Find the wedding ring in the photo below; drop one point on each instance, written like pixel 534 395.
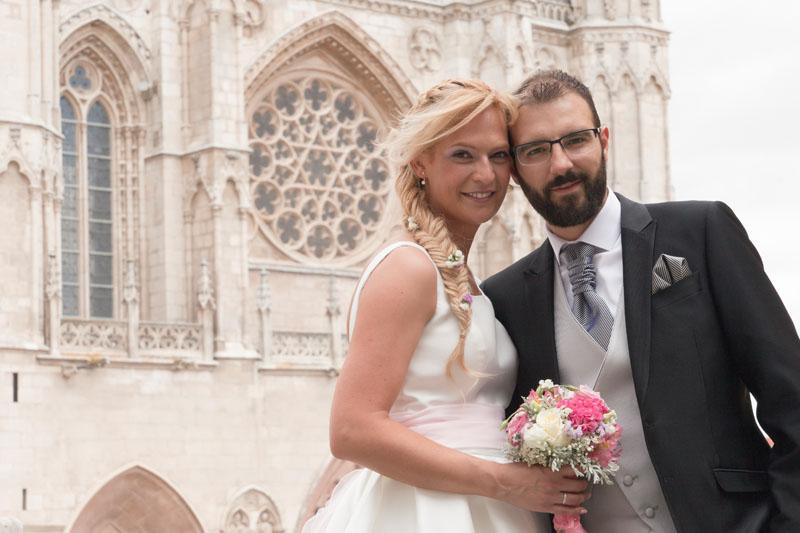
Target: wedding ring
pixel 564 500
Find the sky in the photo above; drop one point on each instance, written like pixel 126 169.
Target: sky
pixel 734 121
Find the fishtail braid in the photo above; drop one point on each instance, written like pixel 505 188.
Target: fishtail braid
pixel 440 111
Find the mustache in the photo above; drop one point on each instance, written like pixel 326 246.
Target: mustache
pixel 568 177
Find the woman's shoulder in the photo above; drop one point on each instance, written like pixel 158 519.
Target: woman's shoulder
pixel 401 277
pixel 403 259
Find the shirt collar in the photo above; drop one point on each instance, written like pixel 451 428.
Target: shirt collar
pixel 603 232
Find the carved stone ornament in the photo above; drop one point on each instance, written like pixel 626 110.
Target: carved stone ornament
pixel 53 287
pixel 205 292
pixel 425 50
pixel 253 512
pixel 130 293
pixel 264 300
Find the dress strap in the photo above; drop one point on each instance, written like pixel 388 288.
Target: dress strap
pixel 380 256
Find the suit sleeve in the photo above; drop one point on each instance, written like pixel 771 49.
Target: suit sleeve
pixel 763 341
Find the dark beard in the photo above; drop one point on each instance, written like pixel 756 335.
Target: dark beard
pixel 574 209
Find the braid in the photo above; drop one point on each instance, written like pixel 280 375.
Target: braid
pixel 431 233
pixel 440 111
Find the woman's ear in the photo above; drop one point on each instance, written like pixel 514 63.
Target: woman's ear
pixel 418 167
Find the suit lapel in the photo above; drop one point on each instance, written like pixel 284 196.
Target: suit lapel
pixel 638 236
pixel 542 362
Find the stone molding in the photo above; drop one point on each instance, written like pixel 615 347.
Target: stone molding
pixel 102 12
pixel 381 76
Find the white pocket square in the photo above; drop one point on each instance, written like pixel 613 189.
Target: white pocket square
pixel 668 271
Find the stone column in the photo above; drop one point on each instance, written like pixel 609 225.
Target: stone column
pixel 131 297
pixel 334 311
pixel 53 293
pixel 205 297
pixel 264 305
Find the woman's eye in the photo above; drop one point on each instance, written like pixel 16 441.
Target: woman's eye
pixel 461 154
pixel 501 155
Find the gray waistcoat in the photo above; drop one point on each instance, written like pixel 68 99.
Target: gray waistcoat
pixel 635 502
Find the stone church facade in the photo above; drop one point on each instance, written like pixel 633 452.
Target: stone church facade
pixel 188 191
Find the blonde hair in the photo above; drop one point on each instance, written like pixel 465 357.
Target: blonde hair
pixel 439 112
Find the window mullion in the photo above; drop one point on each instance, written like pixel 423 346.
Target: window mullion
pixel 83 223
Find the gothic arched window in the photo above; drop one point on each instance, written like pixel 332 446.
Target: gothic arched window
pixel 320 188
pixel 86 211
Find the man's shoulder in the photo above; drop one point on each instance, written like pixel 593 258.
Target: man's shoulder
pixel 680 212
pixel 514 272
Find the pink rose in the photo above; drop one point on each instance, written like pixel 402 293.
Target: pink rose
pixel 516 425
pixel 587 393
pixel 568 523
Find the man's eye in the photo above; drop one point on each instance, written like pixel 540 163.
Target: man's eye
pixel 535 150
pixel 574 141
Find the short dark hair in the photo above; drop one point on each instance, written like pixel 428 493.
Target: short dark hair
pixel 545 85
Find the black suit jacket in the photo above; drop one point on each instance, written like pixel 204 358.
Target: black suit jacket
pixel 697 349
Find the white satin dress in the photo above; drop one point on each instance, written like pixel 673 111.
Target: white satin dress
pixel 465 415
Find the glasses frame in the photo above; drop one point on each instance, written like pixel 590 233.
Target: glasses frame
pixel 515 149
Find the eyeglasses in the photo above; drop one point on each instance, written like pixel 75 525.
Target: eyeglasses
pixel 538 152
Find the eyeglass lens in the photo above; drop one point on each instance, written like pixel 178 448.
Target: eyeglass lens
pixel 539 152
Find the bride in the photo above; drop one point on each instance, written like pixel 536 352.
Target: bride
pixel 429 370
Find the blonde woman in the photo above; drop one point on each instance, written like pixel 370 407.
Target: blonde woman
pixel 429 370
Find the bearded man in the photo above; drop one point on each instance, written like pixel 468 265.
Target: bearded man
pixel 665 310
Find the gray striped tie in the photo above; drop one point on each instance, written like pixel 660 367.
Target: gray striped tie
pixel 588 307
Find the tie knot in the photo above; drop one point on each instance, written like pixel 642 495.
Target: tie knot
pixel 582 274
pixel 577 250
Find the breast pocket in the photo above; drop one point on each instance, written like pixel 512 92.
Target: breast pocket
pixel 683 289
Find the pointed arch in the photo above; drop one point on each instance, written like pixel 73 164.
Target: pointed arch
pixel 252 508
pixel 491 66
pixel 100 12
pixel 655 182
pixel 103 59
pixel 135 499
pixel 626 150
pixel 316 101
pixel 120 71
pixel 345 41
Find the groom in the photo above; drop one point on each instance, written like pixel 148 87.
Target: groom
pixel 665 309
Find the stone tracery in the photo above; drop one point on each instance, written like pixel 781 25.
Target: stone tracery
pixel 319 186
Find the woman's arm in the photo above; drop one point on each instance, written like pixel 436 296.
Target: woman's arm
pixel 397 301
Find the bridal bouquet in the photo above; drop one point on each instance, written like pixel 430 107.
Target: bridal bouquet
pixel 561 425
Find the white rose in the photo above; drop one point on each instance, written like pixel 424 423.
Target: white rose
pixel 535 438
pixel 550 422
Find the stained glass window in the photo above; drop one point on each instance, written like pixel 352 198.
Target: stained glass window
pixel 320 189
pixel 69 213
pixel 86 212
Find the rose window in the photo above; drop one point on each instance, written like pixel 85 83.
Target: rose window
pixel 320 189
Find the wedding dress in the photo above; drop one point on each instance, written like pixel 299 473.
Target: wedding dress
pixel 463 413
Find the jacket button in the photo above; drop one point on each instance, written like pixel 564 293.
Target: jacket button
pixel 649 512
pixel 627 481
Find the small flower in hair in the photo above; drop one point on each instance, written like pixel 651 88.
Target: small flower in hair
pixel 466 302
pixel 410 224
pixel 455 260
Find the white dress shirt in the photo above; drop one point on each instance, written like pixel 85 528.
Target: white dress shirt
pixel 605 233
